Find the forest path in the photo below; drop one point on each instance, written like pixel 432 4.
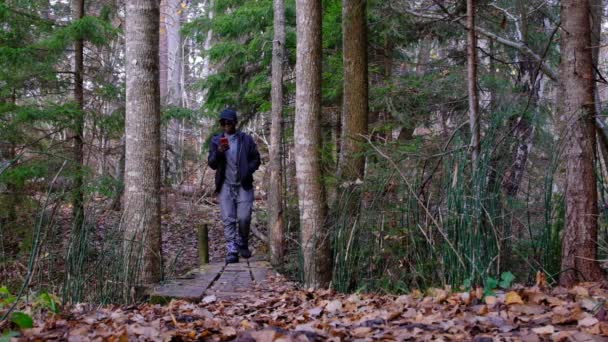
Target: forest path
pixel 215 280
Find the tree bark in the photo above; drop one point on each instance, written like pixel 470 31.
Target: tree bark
pixel 78 194
pixel 275 183
pixel 307 136
pixel 351 164
pixel 142 162
pixel 472 83
pixel 579 244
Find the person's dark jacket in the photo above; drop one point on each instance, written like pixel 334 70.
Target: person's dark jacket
pixel 248 160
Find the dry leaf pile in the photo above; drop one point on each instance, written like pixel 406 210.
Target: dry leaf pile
pixel 278 311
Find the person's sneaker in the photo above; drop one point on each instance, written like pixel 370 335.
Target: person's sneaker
pixel 245 252
pixel 232 258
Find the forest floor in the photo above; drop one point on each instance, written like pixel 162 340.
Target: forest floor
pixel 280 311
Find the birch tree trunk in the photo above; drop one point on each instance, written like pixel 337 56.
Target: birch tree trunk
pixel 142 157
pixel 472 83
pixel 351 164
pixel 579 244
pixel 275 183
pixel 307 137
pixel 170 82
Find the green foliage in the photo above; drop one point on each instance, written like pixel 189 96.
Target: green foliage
pixel 178 113
pixel 23 320
pixel 48 301
pixel 8 335
pixel 506 279
pixel 6 298
pixel 243 51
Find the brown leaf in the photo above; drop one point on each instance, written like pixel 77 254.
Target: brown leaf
pixel 541 279
pixel 579 291
pixel 587 322
pixel 266 335
pixel 228 333
pixel 334 306
pixel 316 312
pixel 490 300
pixel 546 330
pixel 527 309
pixel 361 332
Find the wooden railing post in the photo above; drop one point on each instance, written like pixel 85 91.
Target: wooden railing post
pixel 203 243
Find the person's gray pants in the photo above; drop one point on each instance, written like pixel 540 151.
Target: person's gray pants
pixel 235 206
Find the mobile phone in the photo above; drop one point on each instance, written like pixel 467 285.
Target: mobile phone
pixel 223 141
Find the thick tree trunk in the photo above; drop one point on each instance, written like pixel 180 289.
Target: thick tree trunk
pixel 142 164
pixel 77 194
pixel 355 101
pixel 313 209
pixel 579 245
pixel 472 83
pixel 275 183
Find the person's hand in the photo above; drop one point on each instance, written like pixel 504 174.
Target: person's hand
pixel 223 148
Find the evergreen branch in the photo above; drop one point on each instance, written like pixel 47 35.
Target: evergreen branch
pixel 521 47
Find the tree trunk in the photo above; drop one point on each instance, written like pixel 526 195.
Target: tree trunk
pixel 472 83
pixel 521 127
pixel 351 164
pixel 579 249
pixel 307 137
pixel 142 162
pixel 78 195
pixel 170 80
pixel 275 183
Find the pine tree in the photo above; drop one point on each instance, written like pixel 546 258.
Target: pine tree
pixel 579 245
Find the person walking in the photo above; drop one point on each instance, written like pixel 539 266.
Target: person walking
pixel 235 157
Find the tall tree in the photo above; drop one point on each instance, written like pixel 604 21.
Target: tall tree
pixel 472 82
pixel 579 244
pixel 307 136
pixel 142 157
pixel 275 184
pixel 78 196
pixel 351 163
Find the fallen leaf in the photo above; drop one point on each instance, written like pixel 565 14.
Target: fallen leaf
pixel 264 335
pixel 316 312
pixel 587 322
pixel 528 309
pixel 546 330
pixel 361 332
pixel 209 299
pixel 579 291
pixel 490 300
pixel 513 298
pixel 334 306
pixel 228 332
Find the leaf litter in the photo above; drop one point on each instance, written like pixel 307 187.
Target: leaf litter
pixel 280 311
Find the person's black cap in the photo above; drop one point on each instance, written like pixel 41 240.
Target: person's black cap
pixel 228 114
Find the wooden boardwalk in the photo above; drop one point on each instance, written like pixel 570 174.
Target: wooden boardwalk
pixel 216 279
